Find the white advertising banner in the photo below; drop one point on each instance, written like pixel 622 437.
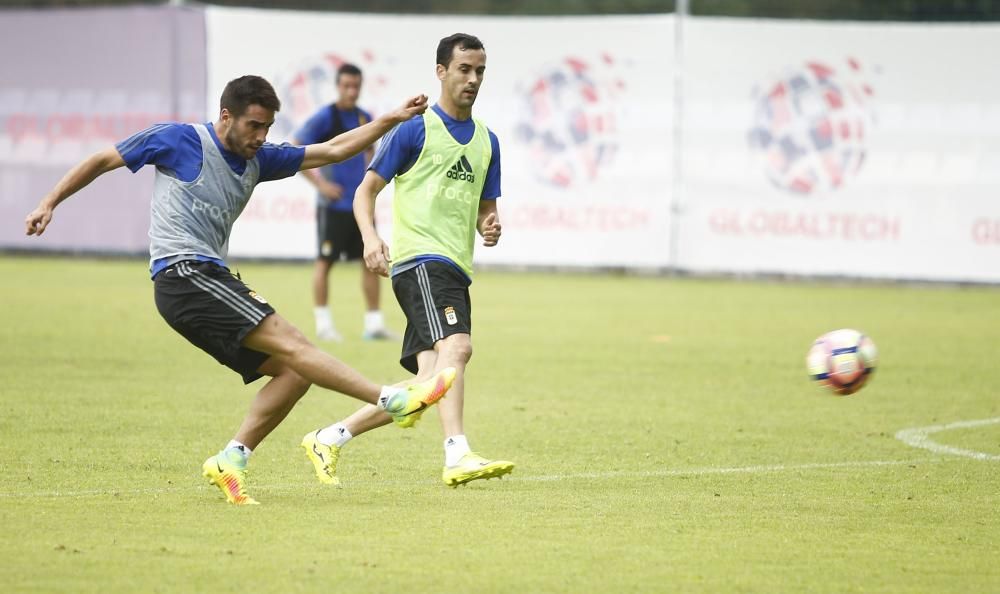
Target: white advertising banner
pixel 855 149
pixel 841 149
pixel 582 108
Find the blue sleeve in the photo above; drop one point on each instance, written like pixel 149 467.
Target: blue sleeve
pixel 317 129
pixel 156 145
pixel 278 161
pixel 491 187
pixel 399 149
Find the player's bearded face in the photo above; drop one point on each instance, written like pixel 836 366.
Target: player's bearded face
pixel 247 133
pixel 465 75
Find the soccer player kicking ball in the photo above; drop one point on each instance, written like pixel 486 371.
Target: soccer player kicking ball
pixel 205 174
pixel 447 170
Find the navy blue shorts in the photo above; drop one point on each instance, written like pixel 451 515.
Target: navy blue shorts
pixel 214 310
pixel 434 296
pixel 338 235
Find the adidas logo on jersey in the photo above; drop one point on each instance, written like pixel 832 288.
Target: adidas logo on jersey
pixel 462 171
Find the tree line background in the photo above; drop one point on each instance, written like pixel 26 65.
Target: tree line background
pixel 868 10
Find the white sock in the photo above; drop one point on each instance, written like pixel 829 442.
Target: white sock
pixel 455 447
pixel 324 319
pixel 334 435
pixel 374 321
pixel 387 393
pixel 239 448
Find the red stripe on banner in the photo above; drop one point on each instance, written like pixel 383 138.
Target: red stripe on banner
pixel 834 99
pixel 833 170
pixel 576 64
pixel 825 129
pixel 821 71
pixel 802 185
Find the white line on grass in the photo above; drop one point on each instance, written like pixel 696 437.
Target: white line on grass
pixel 760 469
pixel 918 437
pixel 756 469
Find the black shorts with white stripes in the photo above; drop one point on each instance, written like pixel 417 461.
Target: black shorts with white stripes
pixel 214 310
pixel 434 297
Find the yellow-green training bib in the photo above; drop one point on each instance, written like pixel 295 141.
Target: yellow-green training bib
pixel 436 201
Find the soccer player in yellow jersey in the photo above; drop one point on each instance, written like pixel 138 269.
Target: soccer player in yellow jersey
pixel 446 165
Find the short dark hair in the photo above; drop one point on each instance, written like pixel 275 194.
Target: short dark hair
pixel 446 47
pixel 240 93
pixel 348 69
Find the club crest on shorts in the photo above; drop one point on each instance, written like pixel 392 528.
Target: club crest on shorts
pixel 449 314
pixel 257 297
pixel 326 248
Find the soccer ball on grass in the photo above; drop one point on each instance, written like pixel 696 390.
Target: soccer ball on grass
pixel 842 361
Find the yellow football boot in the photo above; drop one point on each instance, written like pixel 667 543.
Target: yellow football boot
pixel 406 405
pixel 229 474
pixel 472 467
pixel 323 457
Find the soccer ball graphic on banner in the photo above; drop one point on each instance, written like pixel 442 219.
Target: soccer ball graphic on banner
pixel 810 126
pixel 842 360
pixel 569 119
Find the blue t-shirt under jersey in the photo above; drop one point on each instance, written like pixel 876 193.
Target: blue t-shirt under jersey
pixel 177 148
pixel 347 174
pixel 401 147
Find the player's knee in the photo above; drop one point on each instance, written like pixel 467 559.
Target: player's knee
pixel 458 348
pixel 299 384
pixel 294 386
pixel 293 345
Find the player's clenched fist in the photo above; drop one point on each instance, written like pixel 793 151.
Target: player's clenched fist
pixel 490 230
pixel 36 222
pixel 377 256
pixel 413 106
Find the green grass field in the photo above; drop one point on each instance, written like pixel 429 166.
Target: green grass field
pixel 666 437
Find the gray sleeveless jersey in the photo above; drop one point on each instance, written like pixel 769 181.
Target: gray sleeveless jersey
pixel 197 217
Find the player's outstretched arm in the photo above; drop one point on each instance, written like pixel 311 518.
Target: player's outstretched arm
pixel 350 143
pixel 328 189
pixel 488 222
pixel 75 180
pixel 376 251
